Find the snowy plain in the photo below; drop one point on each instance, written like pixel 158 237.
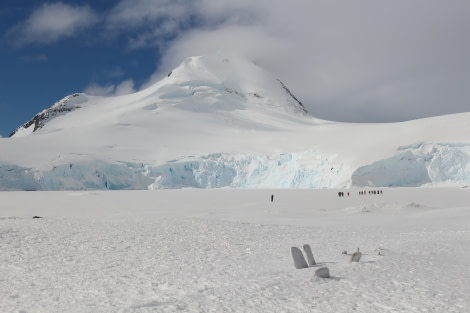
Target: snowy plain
pixel 228 250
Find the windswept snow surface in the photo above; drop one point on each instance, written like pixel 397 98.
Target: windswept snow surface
pixel 228 250
pixel 219 121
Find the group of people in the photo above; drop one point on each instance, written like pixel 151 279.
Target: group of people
pixel 362 193
pixel 370 192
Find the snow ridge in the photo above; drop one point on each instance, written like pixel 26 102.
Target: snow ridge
pixel 293 97
pixel 67 104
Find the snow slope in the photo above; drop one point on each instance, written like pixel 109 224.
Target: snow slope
pixel 219 121
pixel 228 250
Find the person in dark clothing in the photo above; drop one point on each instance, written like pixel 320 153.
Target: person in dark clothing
pixel 272 198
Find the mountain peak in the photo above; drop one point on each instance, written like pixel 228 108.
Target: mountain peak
pixel 215 76
pixel 199 84
pixel 67 104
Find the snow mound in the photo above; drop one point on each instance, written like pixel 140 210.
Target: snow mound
pixel 382 207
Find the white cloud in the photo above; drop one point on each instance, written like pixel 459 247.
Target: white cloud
pixel 52 22
pixel 136 13
pixel 149 23
pixel 155 37
pixel 154 22
pixel 350 61
pixel 99 90
pixel 124 88
pixel 117 72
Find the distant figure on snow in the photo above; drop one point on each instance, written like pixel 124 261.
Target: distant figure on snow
pixel 272 198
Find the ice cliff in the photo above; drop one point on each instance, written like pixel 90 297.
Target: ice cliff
pixel 418 165
pixel 425 164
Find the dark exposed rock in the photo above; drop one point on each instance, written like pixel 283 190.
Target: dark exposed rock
pixel 292 96
pixel 59 108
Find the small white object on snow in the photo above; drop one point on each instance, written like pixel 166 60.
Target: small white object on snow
pixel 298 257
pixel 309 254
pixel 323 272
pixel 355 257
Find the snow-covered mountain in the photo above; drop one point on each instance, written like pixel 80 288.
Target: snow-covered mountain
pixel 218 121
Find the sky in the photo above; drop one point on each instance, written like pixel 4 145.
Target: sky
pixel 349 61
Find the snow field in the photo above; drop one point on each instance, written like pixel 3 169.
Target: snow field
pixel 229 251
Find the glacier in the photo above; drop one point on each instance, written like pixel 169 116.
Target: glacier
pixel 294 170
pixel 418 165
pixel 415 165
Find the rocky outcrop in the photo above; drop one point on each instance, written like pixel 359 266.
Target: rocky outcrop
pixel 67 104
